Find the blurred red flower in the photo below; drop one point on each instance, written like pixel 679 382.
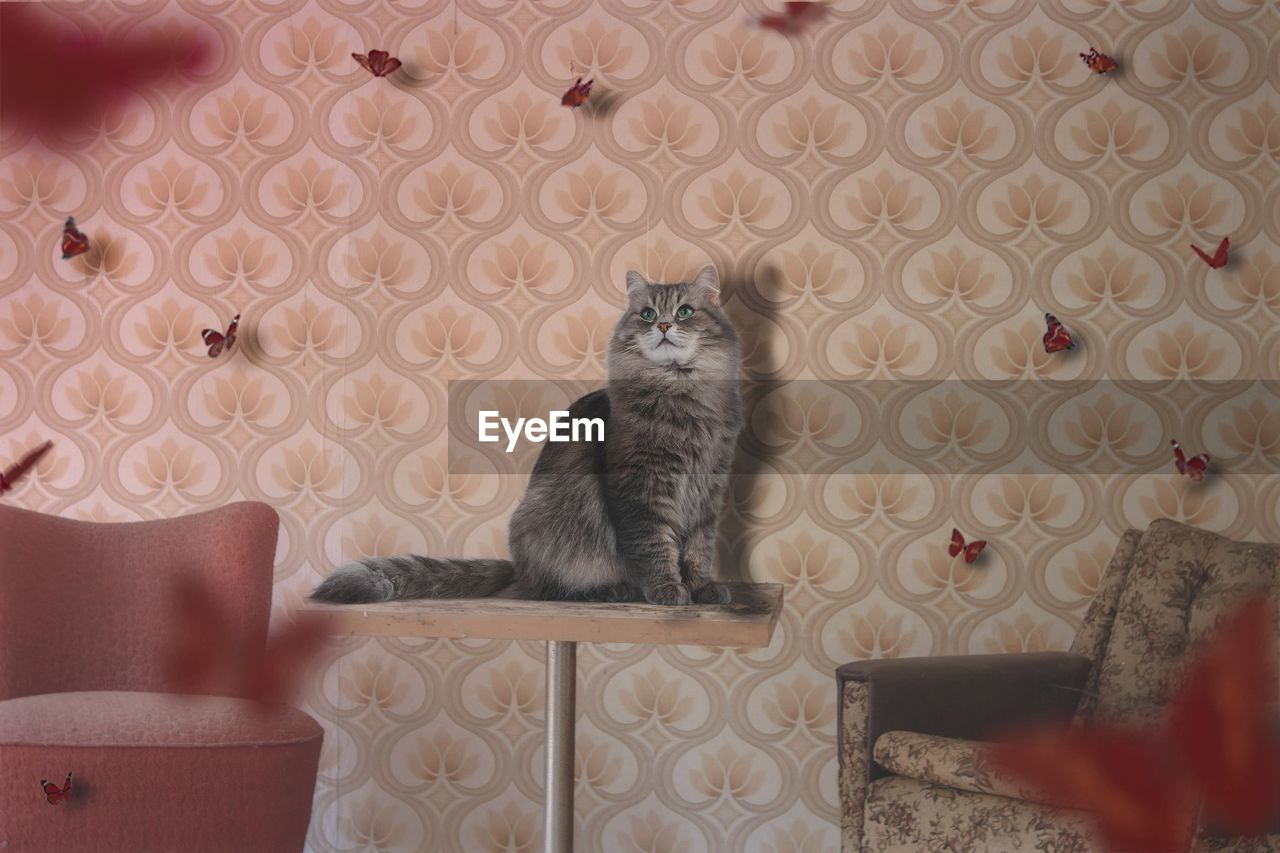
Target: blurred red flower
pixel 1216 750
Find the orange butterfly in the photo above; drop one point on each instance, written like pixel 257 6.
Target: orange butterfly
pixel 1216 746
pixel 1099 63
pixel 577 94
pixel 15 472
pixel 74 241
pixel 53 794
pixel 971 551
pixel 217 341
pixel 1195 467
pixel 1057 338
pixel 1219 259
pixel 379 63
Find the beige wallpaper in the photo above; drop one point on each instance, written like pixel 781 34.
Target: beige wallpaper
pixel 898 194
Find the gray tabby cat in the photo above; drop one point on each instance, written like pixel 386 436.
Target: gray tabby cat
pixel 628 518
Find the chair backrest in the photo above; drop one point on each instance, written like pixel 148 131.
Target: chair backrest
pixel 1161 597
pixel 90 606
pixel 1095 632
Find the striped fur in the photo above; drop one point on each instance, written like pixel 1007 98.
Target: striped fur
pixel 413 576
pixel 633 517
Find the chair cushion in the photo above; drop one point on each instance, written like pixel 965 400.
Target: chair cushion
pixel 953 762
pixel 156 772
pixel 952 768
pixel 1180 582
pixel 1238 844
pixel 906 815
pixel 116 718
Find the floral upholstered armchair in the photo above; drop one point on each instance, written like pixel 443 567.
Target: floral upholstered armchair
pixel 913 774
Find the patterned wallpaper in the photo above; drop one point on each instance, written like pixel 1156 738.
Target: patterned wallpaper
pixel 897 194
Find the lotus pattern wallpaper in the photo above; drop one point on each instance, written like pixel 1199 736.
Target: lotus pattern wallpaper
pixel 894 198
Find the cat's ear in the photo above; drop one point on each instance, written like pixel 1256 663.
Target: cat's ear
pixel 707 283
pixel 636 283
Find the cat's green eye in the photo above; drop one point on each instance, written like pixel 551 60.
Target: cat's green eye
pixel 684 312
pixel 648 315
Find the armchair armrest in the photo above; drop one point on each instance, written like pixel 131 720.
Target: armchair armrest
pixel 965 696
pixel 968 696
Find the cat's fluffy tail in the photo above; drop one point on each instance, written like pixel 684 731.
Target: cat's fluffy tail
pixel 412 576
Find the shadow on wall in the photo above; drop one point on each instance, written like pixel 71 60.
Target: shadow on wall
pixel 752 303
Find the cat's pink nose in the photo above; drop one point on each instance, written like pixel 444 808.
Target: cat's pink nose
pixel 662 327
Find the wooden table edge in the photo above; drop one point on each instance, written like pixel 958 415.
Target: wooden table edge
pixel 546 621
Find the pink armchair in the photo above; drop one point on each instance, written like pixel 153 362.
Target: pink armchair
pixel 85 627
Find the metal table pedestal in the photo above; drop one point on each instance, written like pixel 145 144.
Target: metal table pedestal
pixel 558 811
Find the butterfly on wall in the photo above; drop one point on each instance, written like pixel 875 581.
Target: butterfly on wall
pixel 202 660
pixel 1057 338
pixel 10 476
pixel 53 794
pixel 218 341
pixel 1099 63
pixel 379 63
pixel 1195 467
pixel 74 241
pixel 1215 748
pixel 577 94
pixel 958 546
pixel 795 17
pixel 1219 259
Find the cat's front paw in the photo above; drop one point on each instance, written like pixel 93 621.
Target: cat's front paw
pixel 711 593
pixel 667 593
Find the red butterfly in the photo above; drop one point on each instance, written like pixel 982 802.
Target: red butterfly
pixel 74 242
pixel 1219 259
pixel 1099 63
pixel 15 472
pixel 1194 467
pixel 53 793
pixel 379 63
pixel 1057 338
pixel 1216 745
pixel 217 341
pixel 795 16
pixel 201 661
pixel 577 94
pixel 971 551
